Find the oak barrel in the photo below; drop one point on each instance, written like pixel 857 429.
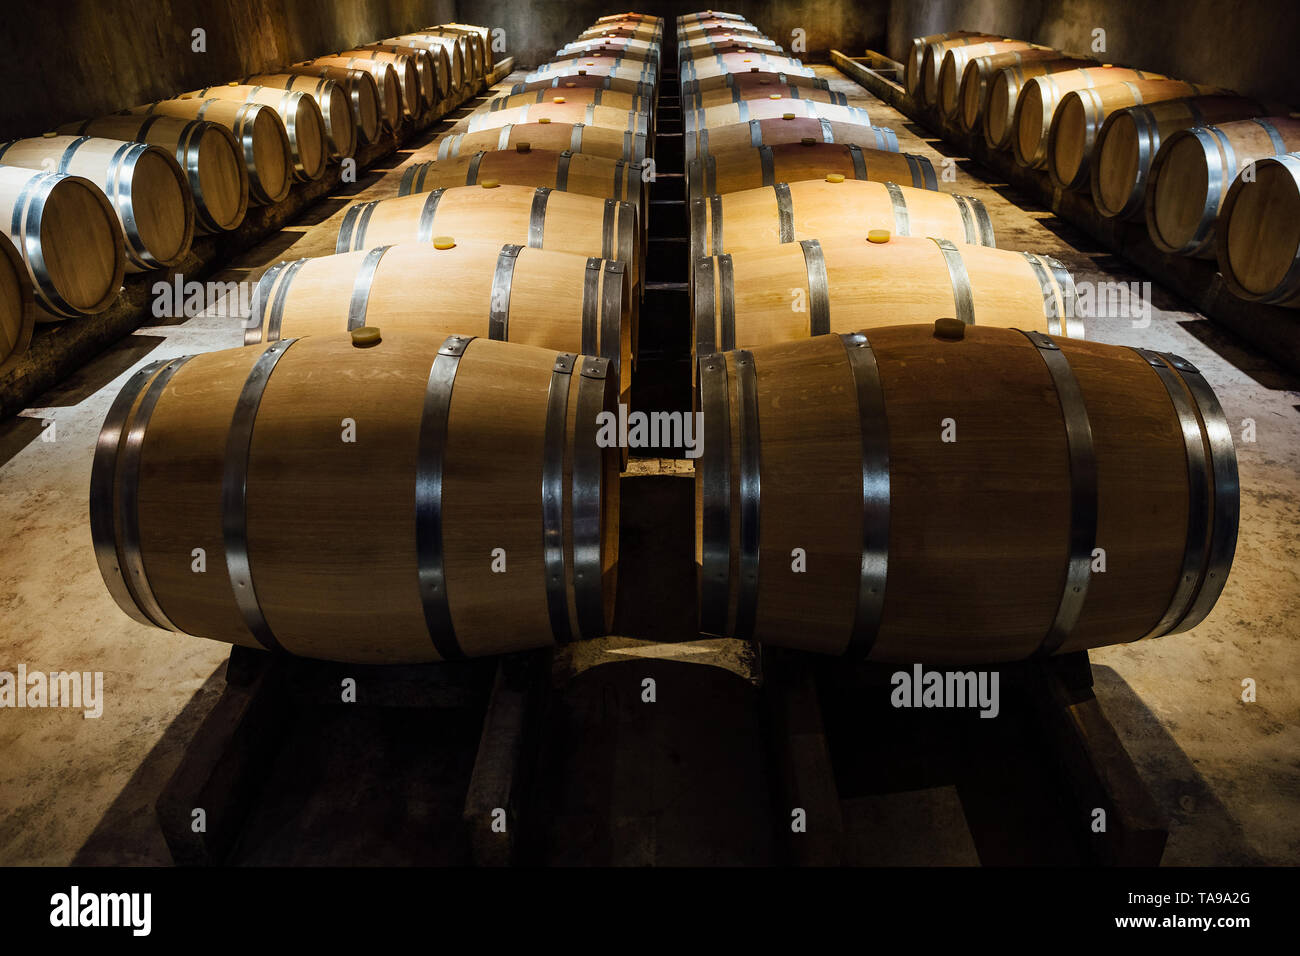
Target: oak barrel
pixel 17 305
pixel 207 153
pixel 831 208
pixel 358 86
pixel 259 132
pixel 335 106
pixel 977 78
pixel 763 89
pixel 1191 173
pixel 953 69
pixel 414 103
pixel 626 145
pixel 795 129
pixel 554 300
pixel 588 114
pixel 69 237
pixel 469 455
pixel 1004 91
pixel 577 81
pixel 145 185
pixel 916 56
pixel 748 168
pixel 449 53
pixel 980 549
pixel 1130 138
pixel 813 287
pixel 432 74
pixel 747 79
pixel 729 114
pixel 303 122
pixel 563 94
pixel 927 87
pixel 471 55
pixel 1259 233
pixel 741 63
pixel 387 83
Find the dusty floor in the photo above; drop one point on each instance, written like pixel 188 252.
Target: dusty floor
pixel 1227 772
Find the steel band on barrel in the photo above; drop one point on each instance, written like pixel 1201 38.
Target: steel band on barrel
pixel 499 304
pixel 431 573
pixel 1083 492
pixel 750 492
pixel 859 161
pixel 361 286
pixel 963 298
pixel 611 315
pixel 767 163
pixel 587 494
pixel 276 317
pixel 784 212
pixel 874 562
pixel 590 296
pixel 727 288
pixel 898 203
pixel 471 174
pixel 234 495
pixel 562 170
pixel 715 466
pixel 1051 311
pixel 553 559
pixel 819 295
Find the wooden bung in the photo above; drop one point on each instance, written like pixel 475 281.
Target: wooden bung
pixel 380 541
pixel 949 494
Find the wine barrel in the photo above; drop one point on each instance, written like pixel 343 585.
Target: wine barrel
pixel 1130 138
pixel 553 300
pixel 1004 92
pixel 637 31
pixel 729 172
pixel 686 19
pixel 631 102
pixel 69 237
pixel 387 81
pixel 953 67
pixel 812 287
pixel 336 107
pixel 433 77
pixel 1259 233
pixel 144 184
pixel 763 89
pixel 728 114
pixel 927 87
pixel 978 76
pixel 588 114
pixel 773 132
pixel 709 45
pixel 370 109
pixel 1079 118
pixel 302 117
pixel 633 55
pixel 831 209
pixel 17 305
pixel 469 52
pixel 576 81
pixel 576 137
pixel 208 153
pixel 746 80
pixel 706 27
pixel 414 102
pixel 449 53
pixel 581 45
pixel 1040 97
pixel 597 66
pixel 540 218
pixel 693 70
pixel 479 37
pixel 259 131
pixel 1191 173
pixel 916 55
pixel 464 446
pixel 970 551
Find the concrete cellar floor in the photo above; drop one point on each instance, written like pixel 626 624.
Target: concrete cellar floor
pixel 1226 772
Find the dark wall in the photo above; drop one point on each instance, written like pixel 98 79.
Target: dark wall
pixel 1246 46
pixel 65 60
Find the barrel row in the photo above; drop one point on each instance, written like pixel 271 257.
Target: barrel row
pixel 1147 147
pixel 481 414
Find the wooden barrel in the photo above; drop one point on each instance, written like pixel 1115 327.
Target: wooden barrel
pixel 741 63
pixel 976 78
pixel 1259 233
pixel 1040 97
pixel 927 87
pixel 738 169
pixel 1130 138
pixel 831 209
pixel 576 137
pixel 414 103
pixel 772 132
pixel 764 89
pixel 1191 173
pixel 612 42
pixel 811 287
pixel 1004 91
pixel 471 52
pixel 598 66
pixel 955 60
pixel 747 80
pixel 378 550
pixel 303 122
pixel 336 106
pixel 710 45
pixel 69 237
pixel 540 218
pixel 369 110
pixel 707 27
pixel 1079 118
pixel 208 154
pixel 970 551
pixel 144 184
pixel 449 52
pixel 387 83
pixel 559 94
pixel 628 29
pixel 481 39
pixel 259 131
pixel 686 19
pixel 588 114
pixel 576 81
pixel 432 77
pixel 916 55
pixel 778 107
pixel 634 55
pixel 17 305
pixel 553 300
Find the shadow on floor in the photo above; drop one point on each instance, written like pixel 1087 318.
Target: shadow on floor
pixel 99 371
